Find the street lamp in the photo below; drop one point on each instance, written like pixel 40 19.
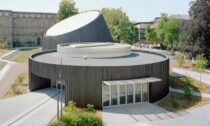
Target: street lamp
pixel 59 93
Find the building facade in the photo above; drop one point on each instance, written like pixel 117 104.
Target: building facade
pixel 182 19
pixel 27 29
pixel 142 26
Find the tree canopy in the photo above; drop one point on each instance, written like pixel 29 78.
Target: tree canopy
pixel 196 34
pixel 151 35
pixel 168 31
pixel 121 28
pixel 172 32
pixel 165 32
pixel 66 9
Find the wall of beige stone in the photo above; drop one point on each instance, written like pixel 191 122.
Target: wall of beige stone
pixel 24 28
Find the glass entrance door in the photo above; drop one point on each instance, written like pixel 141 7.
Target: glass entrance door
pixel 138 93
pixel 130 94
pixel 114 95
pixel 106 95
pixel 125 94
pixel 122 94
pixel 145 93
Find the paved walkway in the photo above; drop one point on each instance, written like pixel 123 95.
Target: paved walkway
pixel 195 93
pixel 195 117
pixel 31 109
pixel 205 78
pixel 134 114
pixel 147 114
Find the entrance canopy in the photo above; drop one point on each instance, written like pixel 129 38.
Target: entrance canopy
pixel 132 81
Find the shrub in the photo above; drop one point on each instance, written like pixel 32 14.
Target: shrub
pixel 20 78
pixel 89 119
pixel 175 103
pixel 90 108
pixel 3 45
pixel 71 106
pixel 74 116
pixel 71 120
pixel 58 123
pixel 188 91
pixel 172 52
pixel 201 63
pixel 180 60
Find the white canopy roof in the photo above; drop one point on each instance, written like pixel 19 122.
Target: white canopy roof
pixel 132 81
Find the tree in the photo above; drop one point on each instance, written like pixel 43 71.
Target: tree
pixel 197 31
pixel 168 31
pixel 160 28
pixel 201 63
pixel 172 32
pixel 121 28
pixel 151 35
pixel 188 42
pixel 66 9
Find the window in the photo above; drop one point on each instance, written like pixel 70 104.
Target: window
pixel 138 93
pixel 130 93
pixel 114 95
pixel 106 95
pixel 122 94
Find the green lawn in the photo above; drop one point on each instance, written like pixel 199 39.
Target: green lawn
pixel 182 82
pixel 4 51
pixel 22 55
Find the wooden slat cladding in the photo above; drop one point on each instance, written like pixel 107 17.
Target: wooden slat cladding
pixel 84 83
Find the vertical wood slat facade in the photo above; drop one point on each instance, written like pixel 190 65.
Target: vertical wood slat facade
pixel 83 84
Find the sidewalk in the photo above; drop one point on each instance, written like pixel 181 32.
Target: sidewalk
pixel 205 78
pixel 194 94
pixel 31 109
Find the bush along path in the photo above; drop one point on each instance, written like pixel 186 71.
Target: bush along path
pixel 73 116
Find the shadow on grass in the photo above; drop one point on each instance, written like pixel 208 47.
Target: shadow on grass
pixel 176 101
pixel 182 82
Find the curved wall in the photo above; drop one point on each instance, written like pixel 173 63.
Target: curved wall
pixel 84 83
pixel 95 31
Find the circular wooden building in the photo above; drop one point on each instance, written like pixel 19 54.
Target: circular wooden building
pixel 102 74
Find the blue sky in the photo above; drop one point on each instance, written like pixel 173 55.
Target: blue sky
pixel 137 10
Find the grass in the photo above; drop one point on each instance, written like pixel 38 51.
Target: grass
pixel 188 65
pixel 18 87
pixel 4 51
pixel 2 64
pixel 182 82
pixel 22 55
pixel 182 102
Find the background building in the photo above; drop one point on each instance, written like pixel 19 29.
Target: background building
pixel 24 28
pixel 142 25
